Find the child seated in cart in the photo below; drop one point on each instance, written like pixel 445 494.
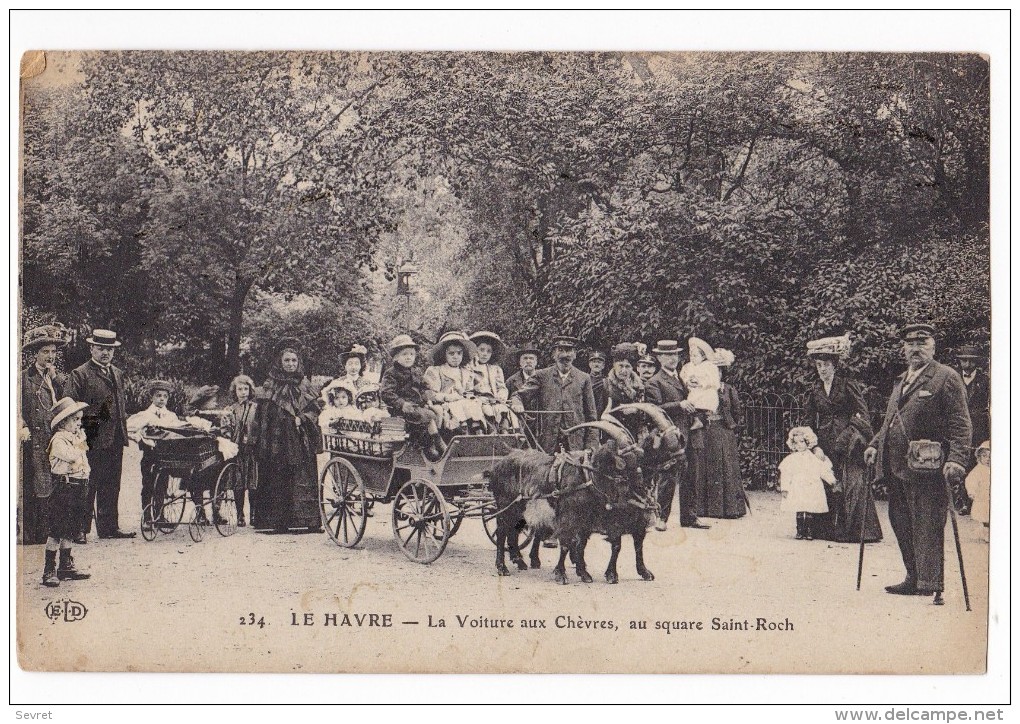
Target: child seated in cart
pixel 369 404
pixel 338 397
pixel 452 382
pixel 404 392
pixel 490 387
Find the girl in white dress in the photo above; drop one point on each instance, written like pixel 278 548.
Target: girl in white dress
pixel 452 383
pixel 802 478
pixel 979 483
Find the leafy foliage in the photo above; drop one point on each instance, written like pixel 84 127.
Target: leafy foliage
pixel 755 200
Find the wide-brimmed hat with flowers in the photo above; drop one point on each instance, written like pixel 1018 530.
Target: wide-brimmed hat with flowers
pixel 829 347
pixel 723 358
pixel 438 352
pixel 498 345
pixel 64 408
pixel 624 351
pixel 44 335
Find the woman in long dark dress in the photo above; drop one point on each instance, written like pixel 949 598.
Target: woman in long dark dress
pixel 286 425
pixel 838 413
pixel 719 490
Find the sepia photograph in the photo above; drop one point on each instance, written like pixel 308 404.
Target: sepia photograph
pixel 505 362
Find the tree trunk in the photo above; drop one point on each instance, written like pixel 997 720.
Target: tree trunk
pixel 242 287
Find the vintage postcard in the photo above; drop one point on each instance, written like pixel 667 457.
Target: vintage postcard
pixel 476 362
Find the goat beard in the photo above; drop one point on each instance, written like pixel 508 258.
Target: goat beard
pixel 540 515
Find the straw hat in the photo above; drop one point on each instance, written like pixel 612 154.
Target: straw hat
pixel 64 408
pixel 401 341
pixel 103 338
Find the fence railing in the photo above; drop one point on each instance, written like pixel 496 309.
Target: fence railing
pixel 767 420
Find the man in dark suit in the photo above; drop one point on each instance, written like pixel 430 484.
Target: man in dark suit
pixel 564 394
pixel 527 363
pixel 928 402
pixel 979 393
pixel 596 370
pixel 666 390
pixel 101 385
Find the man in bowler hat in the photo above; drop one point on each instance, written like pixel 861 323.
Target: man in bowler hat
pixel 101 385
pixel 928 402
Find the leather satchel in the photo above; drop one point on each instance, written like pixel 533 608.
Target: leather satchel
pixel 923 456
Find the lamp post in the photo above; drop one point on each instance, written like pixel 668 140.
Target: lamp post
pixel 405 271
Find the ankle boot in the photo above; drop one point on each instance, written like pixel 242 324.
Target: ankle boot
pixel 66 571
pixel 49 576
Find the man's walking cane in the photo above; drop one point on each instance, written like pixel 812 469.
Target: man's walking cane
pixel 873 472
pixel 956 538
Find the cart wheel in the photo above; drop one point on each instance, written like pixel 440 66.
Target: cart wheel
pixel 168 502
pixel 489 523
pixel 195 528
pixel 421 521
pixel 342 504
pixel 224 502
pixel 148 528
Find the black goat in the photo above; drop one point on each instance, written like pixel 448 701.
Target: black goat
pixel 569 496
pixel 663 453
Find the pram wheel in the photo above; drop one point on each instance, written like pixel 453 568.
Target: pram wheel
pixel 195 528
pixel 224 502
pixel 168 503
pixel 148 527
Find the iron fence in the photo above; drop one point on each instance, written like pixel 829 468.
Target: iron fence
pixel 767 420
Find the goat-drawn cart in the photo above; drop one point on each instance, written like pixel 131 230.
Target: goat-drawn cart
pixel 376 463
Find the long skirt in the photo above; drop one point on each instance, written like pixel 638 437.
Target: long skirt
pixel 288 494
pixel 854 504
pixel 718 488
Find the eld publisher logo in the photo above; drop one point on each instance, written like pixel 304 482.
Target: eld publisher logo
pixel 66 610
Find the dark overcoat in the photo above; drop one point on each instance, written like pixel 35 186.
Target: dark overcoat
pixel 668 391
pixel 979 395
pixel 934 408
pixel 36 403
pixel 104 420
pixel 829 415
pixel 572 398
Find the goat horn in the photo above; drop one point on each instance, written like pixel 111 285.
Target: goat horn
pixel 606 417
pixel 655 412
pixel 617 432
